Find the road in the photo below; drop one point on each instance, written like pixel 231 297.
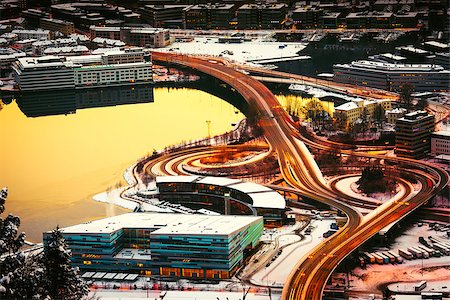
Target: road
pixel 299 169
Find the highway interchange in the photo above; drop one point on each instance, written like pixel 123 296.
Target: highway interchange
pixel 300 171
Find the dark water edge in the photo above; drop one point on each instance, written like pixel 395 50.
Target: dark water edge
pixel 330 51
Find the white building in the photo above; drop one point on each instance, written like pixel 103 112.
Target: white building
pixel 440 143
pixel 38 34
pixel 394 114
pixel 391 76
pixel 54 72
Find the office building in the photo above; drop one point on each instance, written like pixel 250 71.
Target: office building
pixel 134 36
pixel 224 196
pixel 209 16
pixel 440 143
pixel 261 16
pixel 307 17
pixel 164 16
pixel 55 25
pixel 413 134
pixel 391 77
pixel 169 245
pixel 111 68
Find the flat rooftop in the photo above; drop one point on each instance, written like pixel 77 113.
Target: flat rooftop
pixel 394 67
pixel 262 196
pixel 442 133
pixel 166 224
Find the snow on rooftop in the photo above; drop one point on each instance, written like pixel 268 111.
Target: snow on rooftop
pixel 366 64
pixel 176 224
pixel 270 199
pixel 347 106
pixel 437 44
pixel 166 179
pixel 242 52
pixel 261 196
pixel 222 181
pixel 443 133
pixel 250 187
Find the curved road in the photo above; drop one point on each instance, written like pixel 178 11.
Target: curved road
pixel 299 169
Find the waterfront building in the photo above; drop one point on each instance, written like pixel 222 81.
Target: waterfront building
pixel 164 16
pixel 369 20
pixel 223 195
pixel 330 20
pixel 169 245
pixel 391 77
pixel 54 25
pixel 357 108
pixel 209 16
pixel 27 34
pixel 413 54
pixel 134 36
pixel 413 134
pixel 307 17
pixel 110 68
pixel 406 19
pixel 440 143
pixel 261 16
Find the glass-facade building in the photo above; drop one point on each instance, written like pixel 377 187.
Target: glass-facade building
pixel 172 245
pixel 222 195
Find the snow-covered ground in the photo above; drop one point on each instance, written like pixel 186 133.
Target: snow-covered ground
pixel 241 52
pixel 277 272
pixel 320 93
pixel 434 269
pixel 176 295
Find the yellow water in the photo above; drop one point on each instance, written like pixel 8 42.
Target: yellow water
pixel 53 165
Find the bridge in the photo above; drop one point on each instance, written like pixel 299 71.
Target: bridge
pixel 309 276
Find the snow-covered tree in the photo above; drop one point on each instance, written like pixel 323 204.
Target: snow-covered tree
pixel 39 275
pixel 10 242
pixel 63 281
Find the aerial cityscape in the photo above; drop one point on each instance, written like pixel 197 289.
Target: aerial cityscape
pixel 232 150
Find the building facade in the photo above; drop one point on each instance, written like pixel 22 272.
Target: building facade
pixel 169 245
pixel 263 16
pixel 134 36
pixel 440 143
pixel 66 28
pixel 391 77
pixel 110 68
pixel 223 195
pixel 413 134
pixel 209 16
pixel 164 16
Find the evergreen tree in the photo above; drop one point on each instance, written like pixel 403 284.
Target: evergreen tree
pixel 10 242
pixel 63 281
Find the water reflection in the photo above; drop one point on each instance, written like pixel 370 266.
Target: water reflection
pixel 55 163
pixel 68 101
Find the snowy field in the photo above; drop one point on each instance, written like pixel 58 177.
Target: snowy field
pixel 435 269
pixel 241 52
pixel 277 272
pixel 176 295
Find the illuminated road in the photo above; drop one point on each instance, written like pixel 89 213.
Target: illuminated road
pixel 299 169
